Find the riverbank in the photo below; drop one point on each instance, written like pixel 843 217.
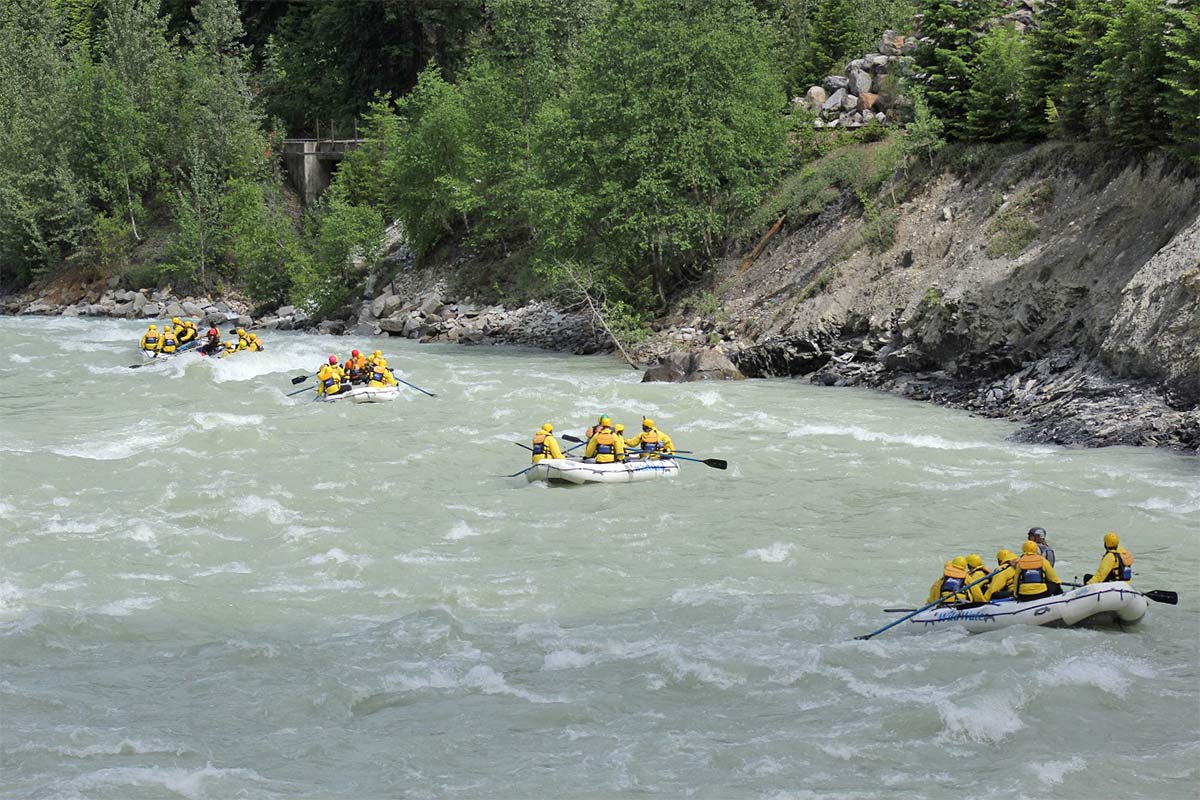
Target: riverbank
pixel 1049 286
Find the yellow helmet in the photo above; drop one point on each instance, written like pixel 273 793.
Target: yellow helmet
pixel 618 428
pixel 381 363
pixel 959 561
pixel 378 353
pixel 241 332
pixel 1004 555
pixel 1111 540
pixel 974 560
pixel 647 422
pixel 176 320
pixel 605 421
pixel 1028 547
pixel 548 428
pixel 153 327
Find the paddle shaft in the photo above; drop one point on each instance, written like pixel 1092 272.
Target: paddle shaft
pixel 1157 595
pixel 182 349
pixel 937 602
pixel 305 389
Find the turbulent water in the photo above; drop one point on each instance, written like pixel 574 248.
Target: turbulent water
pixel 209 589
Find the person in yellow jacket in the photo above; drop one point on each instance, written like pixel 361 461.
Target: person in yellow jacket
pixel 243 342
pixel 975 571
pixel 185 330
pixel 1000 587
pixel 601 421
pixel 356 368
pixel 380 375
pixel 1115 565
pixel 329 377
pixel 651 440
pixel 950 583
pixel 545 445
pixel 605 446
pixel 150 339
pixel 373 359
pixel 231 347
pixel 168 342
pixel 1035 577
pixel 253 343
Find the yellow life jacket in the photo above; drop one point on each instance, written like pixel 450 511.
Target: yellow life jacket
pixel 150 341
pixel 1031 574
pixel 651 441
pixel 606 448
pixel 1123 569
pixel 187 333
pixel 169 342
pixel 953 579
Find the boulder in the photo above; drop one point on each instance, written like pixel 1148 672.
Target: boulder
pixel 431 304
pixel 391 304
pixel 332 327
pixel 139 300
pixel 835 82
pixel 242 321
pixel 860 81
pixel 867 101
pixel 877 62
pixel 891 43
pixel 190 309
pixel 834 101
pixel 815 97
pixel 376 307
pixel 286 311
pixel 699 365
pixel 363 329
pixel 711 364
pixel 149 310
pixel 849 102
pixel 395 323
pixel 175 310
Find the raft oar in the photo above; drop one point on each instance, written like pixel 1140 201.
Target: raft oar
pixel 305 389
pixel 410 385
pixel 937 602
pixel 715 463
pixel 1157 595
pixel 301 379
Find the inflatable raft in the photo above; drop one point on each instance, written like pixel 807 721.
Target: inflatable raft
pixel 1095 604
pixel 364 394
pixel 570 471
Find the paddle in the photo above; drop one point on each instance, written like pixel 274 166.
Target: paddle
pixel 1157 595
pixel 715 463
pixel 527 447
pixel 301 379
pixel 182 349
pixel 305 389
pixel 410 385
pixel 937 602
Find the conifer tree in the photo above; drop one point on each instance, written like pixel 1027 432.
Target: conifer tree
pixel 998 105
pixel 1181 78
pixel 1128 78
pixel 954 28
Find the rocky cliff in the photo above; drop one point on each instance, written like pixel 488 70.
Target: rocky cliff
pixel 1060 288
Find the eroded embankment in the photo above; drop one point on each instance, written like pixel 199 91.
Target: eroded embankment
pixel 1056 289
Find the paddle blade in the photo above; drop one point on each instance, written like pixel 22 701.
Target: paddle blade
pixel 1163 596
pixel 898 610
pixel 716 463
pixel 136 366
pixel 568 437
pixel 299 379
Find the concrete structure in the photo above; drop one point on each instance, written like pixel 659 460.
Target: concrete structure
pixel 311 163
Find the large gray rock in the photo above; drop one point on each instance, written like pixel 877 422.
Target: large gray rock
pixel 815 97
pixel 376 307
pixel 149 309
pixel 332 327
pixel 139 300
pixel 191 309
pixel 363 329
pixel 394 324
pixel 849 102
pixel 391 304
pixel 834 101
pixel 175 310
pixel 286 311
pixel 835 82
pixel 860 82
pixel 699 365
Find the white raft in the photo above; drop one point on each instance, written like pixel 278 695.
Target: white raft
pixel 152 355
pixel 1095 604
pixel 570 471
pixel 364 394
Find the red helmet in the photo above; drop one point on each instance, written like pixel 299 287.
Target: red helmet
pixel 354 353
pixel 213 332
pixel 333 359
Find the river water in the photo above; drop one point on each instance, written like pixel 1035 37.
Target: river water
pixel 211 590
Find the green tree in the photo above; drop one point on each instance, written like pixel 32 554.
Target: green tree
pixel 1128 78
pixel 998 103
pixel 1181 77
pixel 673 124
pixel 954 28
pixel 345 240
pixel 925 130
